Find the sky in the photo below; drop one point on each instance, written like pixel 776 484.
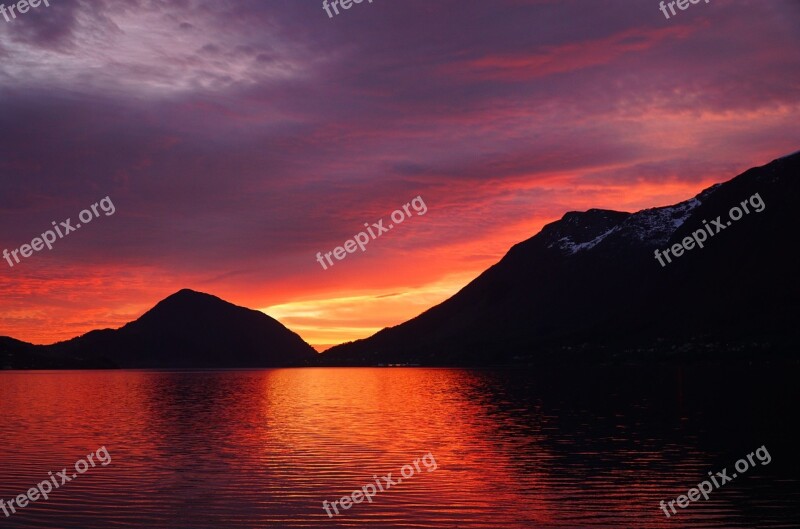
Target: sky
pixel 236 139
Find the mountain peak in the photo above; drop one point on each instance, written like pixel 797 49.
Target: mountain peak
pixel 191 301
pixel 187 293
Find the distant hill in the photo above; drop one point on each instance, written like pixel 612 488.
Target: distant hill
pixel 186 330
pixel 589 288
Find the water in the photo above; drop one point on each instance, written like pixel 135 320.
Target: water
pixel 236 449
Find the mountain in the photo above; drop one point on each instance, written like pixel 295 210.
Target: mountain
pixel 186 330
pixel 589 287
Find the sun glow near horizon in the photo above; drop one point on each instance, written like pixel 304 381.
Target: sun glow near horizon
pixel 324 323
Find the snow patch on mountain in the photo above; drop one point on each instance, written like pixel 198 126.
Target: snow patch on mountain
pixel 566 244
pixel 657 225
pixel 652 226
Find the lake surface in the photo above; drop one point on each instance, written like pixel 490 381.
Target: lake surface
pixel 236 449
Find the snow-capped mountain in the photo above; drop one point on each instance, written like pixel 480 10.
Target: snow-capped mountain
pixel 588 287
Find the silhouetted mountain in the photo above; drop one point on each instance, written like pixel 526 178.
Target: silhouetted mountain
pixel 589 287
pixel 15 354
pixel 186 330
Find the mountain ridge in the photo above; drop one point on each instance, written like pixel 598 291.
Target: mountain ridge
pixel 587 288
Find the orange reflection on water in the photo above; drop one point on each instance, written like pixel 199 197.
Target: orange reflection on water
pixel 240 449
pixel 350 424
